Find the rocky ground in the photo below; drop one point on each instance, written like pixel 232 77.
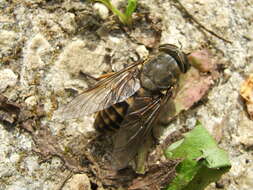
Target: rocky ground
pixel 45 45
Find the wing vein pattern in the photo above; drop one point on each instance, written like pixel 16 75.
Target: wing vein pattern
pixel 111 90
pixel 134 129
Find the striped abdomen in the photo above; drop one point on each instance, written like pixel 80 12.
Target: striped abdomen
pixel 111 118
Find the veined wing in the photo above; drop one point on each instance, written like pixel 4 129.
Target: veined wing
pixel 111 90
pixel 136 126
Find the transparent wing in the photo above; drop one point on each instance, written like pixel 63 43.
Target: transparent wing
pixel 136 126
pixel 111 90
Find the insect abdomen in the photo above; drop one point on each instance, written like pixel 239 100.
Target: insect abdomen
pixel 111 118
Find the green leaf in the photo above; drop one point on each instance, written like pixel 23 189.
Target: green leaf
pixel 204 177
pixel 125 18
pixel 203 162
pixel 216 158
pixel 131 6
pixel 115 11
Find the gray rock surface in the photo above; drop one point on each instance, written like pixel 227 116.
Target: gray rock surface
pixel 78 181
pixel 7 79
pixel 45 44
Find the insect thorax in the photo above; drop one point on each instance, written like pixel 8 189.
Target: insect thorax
pixel 159 73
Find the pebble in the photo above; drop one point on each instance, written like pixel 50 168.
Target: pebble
pixel 101 10
pixel 7 79
pixel 142 51
pixel 78 181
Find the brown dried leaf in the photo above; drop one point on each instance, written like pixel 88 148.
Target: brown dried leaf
pixel 121 178
pixel 158 176
pixel 48 145
pixel 9 111
pixel 247 93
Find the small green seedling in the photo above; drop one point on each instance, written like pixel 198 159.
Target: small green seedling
pixel 126 17
pixel 203 161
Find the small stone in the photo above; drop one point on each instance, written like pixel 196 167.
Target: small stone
pixel 38 44
pixel 14 157
pixel 31 163
pixel 6 170
pixel 142 51
pixel 68 22
pixel 56 162
pixel 101 10
pixel 7 79
pixel 227 73
pixel 32 101
pixel 7 41
pixel 77 57
pixel 78 181
pixel 246 178
pixel 33 54
pixel 245 128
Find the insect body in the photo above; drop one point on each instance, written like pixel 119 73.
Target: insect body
pixel 112 117
pixel 131 100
